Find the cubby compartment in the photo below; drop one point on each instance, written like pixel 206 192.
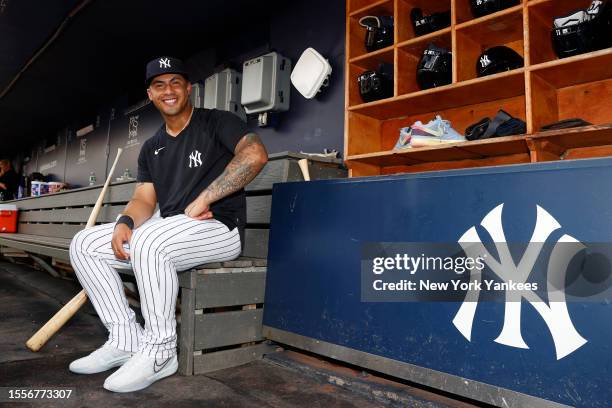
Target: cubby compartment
pixel 365 134
pixel 577 87
pixel 369 62
pixel 357 33
pixel 404 7
pixel 409 55
pixel 463 12
pixel 353 85
pixel 474 37
pixel 541 14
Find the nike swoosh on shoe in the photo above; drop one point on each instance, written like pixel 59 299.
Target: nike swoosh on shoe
pixel 158 367
pixel 427 132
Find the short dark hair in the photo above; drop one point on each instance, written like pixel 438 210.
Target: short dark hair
pixel 150 81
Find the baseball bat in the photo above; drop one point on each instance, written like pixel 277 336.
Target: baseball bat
pixel 58 320
pixel 303 163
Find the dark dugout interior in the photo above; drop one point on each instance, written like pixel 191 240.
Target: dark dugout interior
pixel 62 63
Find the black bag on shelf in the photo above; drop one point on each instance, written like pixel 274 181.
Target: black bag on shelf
pixel 566 124
pixel 498 59
pixel 477 130
pixel 503 124
pixel 513 126
pixel 428 24
pixel 379 31
pixel 483 7
pixel 375 85
pixel 435 67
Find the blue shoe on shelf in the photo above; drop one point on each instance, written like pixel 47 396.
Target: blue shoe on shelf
pixel 435 132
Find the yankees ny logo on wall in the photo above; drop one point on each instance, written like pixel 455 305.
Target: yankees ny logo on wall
pixel 555 314
pixel 132 131
pixel 195 159
pixel 82 151
pixel 133 127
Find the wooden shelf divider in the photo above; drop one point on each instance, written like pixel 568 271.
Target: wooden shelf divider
pixel 372 8
pixel 424 38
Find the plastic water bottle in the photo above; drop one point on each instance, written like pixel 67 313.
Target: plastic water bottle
pixel 92 178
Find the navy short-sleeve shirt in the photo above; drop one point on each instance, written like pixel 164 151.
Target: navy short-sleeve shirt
pixel 181 167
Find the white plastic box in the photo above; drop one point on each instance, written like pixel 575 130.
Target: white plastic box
pixel 311 72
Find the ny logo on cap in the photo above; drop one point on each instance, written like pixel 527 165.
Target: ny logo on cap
pixel 484 61
pixel 164 63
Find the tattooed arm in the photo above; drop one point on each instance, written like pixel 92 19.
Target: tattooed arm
pixel 250 157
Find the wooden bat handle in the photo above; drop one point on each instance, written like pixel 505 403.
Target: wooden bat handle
pixel 43 335
pixel 94 213
pixel 57 321
pixel 303 163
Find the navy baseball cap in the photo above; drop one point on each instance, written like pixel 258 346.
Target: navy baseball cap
pixel 165 65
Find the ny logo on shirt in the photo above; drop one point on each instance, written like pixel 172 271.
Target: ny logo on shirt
pixel 195 159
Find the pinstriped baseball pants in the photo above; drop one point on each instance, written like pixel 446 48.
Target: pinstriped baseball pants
pixel 158 249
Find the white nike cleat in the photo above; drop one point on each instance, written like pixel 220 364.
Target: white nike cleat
pixel 102 359
pixel 139 372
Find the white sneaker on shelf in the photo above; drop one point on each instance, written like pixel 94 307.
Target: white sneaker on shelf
pixel 102 359
pixel 139 372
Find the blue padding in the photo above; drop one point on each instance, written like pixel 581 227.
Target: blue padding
pixel 313 282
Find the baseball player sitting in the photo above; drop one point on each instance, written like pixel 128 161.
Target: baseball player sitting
pixel 195 167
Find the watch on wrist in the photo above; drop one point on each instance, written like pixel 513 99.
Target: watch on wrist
pixel 127 220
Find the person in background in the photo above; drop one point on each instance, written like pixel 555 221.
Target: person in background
pixel 9 181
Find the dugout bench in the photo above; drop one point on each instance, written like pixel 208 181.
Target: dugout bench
pixel 221 302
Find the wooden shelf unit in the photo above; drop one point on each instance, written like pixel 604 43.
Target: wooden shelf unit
pixel 545 90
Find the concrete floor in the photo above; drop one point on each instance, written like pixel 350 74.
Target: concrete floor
pixel 29 297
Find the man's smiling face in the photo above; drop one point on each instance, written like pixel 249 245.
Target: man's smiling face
pixel 169 93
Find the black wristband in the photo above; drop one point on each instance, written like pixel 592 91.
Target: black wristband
pixel 127 220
